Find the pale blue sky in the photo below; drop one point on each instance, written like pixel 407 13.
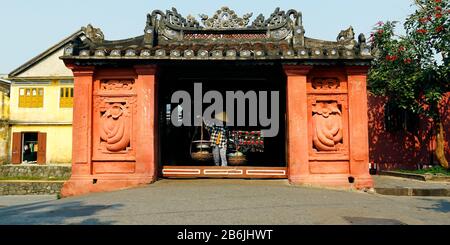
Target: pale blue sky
pixel 29 27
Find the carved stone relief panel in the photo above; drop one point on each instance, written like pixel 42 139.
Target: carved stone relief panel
pixel 327 126
pixel 114 110
pixel 114 127
pixel 115 87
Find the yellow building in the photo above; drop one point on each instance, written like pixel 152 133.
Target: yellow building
pixel 4 120
pixel 41 108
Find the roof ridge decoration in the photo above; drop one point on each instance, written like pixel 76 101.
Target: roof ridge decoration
pixel 223 36
pixel 94 34
pixel 172 26
pixel 225 18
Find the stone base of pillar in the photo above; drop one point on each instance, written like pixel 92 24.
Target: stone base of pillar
pixel 363 182
pixel 81 185
pixel 340 181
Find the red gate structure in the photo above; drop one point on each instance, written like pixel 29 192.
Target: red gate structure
pixel 116 113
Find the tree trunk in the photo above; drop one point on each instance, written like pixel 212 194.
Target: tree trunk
pixel 440 145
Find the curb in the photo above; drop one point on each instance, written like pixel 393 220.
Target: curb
pixel 436 192
pixel 405 175
pixel 32 181
pixel 421 177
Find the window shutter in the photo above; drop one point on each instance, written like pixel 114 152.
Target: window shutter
pixel 16 156
pixel 42 148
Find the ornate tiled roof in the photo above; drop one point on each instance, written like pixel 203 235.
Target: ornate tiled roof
pixel 223 36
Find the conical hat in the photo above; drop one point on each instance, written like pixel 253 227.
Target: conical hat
pixel 222 116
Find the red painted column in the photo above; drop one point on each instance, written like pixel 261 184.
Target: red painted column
pixel 358 124
pixel 82 121
pixel 147 151
pixel 81 131
pixel 297 122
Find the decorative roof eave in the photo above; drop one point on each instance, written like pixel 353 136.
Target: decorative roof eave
pixel 244 51
pixel 169 36
pixel 217 52
pixel 219 58
pixel 206 63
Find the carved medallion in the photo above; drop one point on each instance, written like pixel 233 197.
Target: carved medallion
pixel 114 127
pixel 327 126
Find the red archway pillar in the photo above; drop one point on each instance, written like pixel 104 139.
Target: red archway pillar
pixel 147 133
pixel 82 118
pixel 297 123
pixel 100 165
pixel 359 123
pixel 311 94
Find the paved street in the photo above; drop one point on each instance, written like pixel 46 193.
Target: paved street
pixel 14 200
pixel 226 202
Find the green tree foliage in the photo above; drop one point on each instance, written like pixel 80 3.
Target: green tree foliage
pixel 413 70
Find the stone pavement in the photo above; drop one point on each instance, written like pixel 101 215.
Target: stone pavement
pixel 8 201
pixel 207 201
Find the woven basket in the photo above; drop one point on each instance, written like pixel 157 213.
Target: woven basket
pixel 237 160
pixel 202 156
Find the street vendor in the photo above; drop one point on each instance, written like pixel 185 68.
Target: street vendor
pixel 219 138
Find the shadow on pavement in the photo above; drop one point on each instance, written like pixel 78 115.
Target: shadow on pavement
pixel 372 221
pixel 50 213
pixel 438 205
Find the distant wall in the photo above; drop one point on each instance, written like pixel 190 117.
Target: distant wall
pixel 51 111
pixel 48 67
pixel 4 126
pixel 401 149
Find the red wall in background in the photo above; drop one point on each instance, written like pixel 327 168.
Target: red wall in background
pixel 403 149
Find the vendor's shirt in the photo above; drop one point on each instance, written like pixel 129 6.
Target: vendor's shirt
pixel 218 134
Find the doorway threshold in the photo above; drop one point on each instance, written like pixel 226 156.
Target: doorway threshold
pixel 232 172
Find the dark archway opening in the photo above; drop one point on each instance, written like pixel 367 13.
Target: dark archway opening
pixel 176 142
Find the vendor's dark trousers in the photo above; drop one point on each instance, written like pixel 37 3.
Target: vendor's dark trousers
pixel 220 156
